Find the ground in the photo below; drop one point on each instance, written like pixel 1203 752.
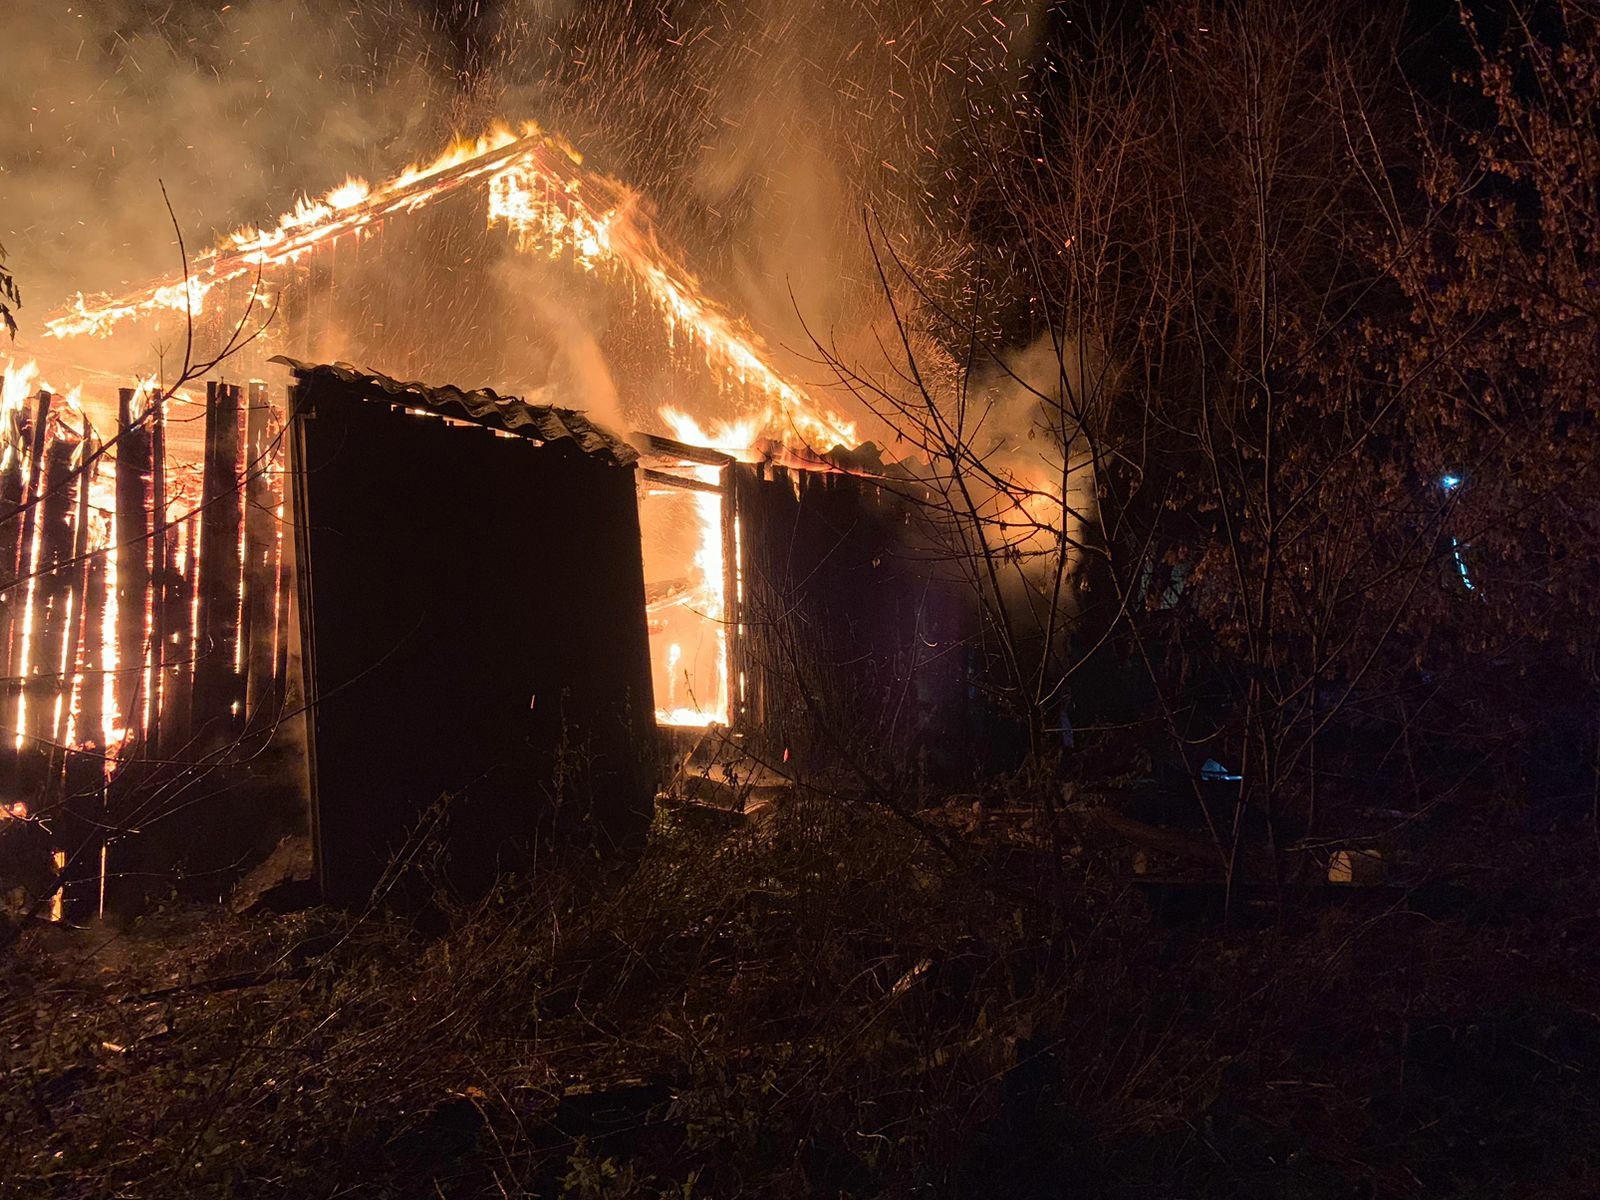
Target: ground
pixel 818 1004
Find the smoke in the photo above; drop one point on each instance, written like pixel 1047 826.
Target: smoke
pixel 579 373
pixel 1039 405
pixel 765 133
pixel 235 110
pixel 857 109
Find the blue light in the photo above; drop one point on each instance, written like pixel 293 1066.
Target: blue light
pixel 1461 565
pixel 1449 482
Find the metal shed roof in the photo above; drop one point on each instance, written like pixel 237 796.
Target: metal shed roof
pixel 484 406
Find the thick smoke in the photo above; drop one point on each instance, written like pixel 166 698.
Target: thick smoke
pixel 765 134
pixel 237 109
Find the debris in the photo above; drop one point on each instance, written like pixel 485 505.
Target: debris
pixel 283 882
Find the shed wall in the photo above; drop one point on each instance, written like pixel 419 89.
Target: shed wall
pixel 852 629
pixel 473 623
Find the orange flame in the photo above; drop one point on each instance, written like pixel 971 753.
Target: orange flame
pixel 600 223
pixel 349 208
pixel 537 187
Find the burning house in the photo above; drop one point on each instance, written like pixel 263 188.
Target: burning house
pixel 493 595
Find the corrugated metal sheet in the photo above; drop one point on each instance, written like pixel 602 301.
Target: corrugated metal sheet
pixel 538 422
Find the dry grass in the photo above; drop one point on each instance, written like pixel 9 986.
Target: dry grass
pixel 820 1006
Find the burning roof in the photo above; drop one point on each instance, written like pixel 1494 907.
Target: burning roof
pixel 540 423
pixel 535 187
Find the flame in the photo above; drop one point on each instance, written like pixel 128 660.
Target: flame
pixel 18 383
pixel 600 223
pixel 537 187
pixel 731 437
pixel 66 419
pixel 349 208
pixel 349 194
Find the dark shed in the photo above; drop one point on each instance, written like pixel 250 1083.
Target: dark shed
pixel 473 625
pixel 851 624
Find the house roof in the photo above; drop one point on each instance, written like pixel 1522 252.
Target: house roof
pixel 537 422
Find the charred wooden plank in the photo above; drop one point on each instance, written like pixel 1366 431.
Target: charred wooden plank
pixel 173 612
pixel 13 479
pixel 52 593
pixel 85 658
pixel 135 544
pixel 218 682
pixel 679 481
pixel 672 450
pixel 261 559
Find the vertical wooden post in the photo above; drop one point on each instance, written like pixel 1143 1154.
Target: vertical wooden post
pixel 732 608
pixel 134 546
pixel 32 490
pixel 261 561
pixel 218 681
pixel 13 592
pixel 13 462
pixel 78 816
pixel 53 593
pixel 172 604
pixel 85 672
pixel 285 619
pixel 30 518
pixel 92 714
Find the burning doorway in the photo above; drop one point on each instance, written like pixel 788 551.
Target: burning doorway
pixel 801 602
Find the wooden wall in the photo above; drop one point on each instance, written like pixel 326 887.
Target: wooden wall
pixel 473 623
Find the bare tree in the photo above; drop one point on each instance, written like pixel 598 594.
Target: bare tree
pixel 1211 472
pixel 10 296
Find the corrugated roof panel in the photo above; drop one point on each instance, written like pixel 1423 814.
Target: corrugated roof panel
pixel 537 422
